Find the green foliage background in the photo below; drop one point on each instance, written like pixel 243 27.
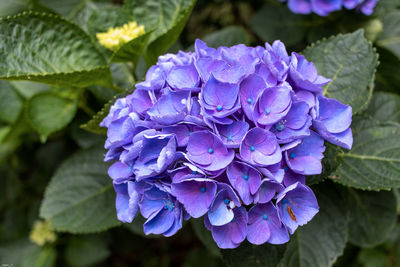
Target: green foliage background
pixel 57 83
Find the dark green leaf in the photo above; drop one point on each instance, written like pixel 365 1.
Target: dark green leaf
pixel 26 254
pixel 10 103
pixel 256 256
pixel 48 112
pixel 321 241
pixel 48 49
pixel 372 217
pixel 201 258
pixel 388 73
pixel 86 250
pixel 228 36
pixel 80 197
pixel 278 23
pixel 335 59
pixel 390 36
pixel 166 17
pixel 205 236
pixel 374 161
pixel 372 257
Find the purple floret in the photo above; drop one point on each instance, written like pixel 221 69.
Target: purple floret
pixel 325 7
pixel 229 134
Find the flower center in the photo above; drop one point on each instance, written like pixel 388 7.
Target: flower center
pixel 252 148
pixel 168 204
pixel 249 100
pixel 219 107
pixel 280 126
pixel 226 201
pixel 210 150
pixel 194 172
pixel 267 111
pixel 246 177
pixel 292 155
pixel 284 201
pixel 265 217
pixel 229 138
pixel 203 189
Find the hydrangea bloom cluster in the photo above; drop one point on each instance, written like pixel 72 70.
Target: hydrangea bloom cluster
pixel 325 7
pixel 228 134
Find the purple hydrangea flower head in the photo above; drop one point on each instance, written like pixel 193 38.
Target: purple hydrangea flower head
pixel 305 158
pixel 196 195
pixel 227 133
pixel 231 234
pixel 264 225
pixel 246 180
pixel 208 151
pixel 296 205
pixel 333 122
pixel 221 211
pixel 259 147
pixel 273 104
pixel 325 7
pixel 163 213
pixel 304 76
pixel 127 201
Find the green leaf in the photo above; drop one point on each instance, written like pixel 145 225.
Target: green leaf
pixel 132 50
pixel 372 217
pixel 201 258
pixel 28 89
pixel 388 73
pixel 166 17
pixel 321 241
pixel 46 48
pixel 228 36
pixel 255 256
pixel 335 59
pixel 48 112
pixel 80 197
pixel 10 103
pixel 273 22
pixel 94 124
pixel 390 36
pixel 374 161
pixel 372 257
pixel 26 254
pixel 205 236
pixel 330 163
pixel 105 16
pixel 86 250
pixel 62 7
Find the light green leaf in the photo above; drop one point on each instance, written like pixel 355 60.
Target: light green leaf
pixel 336 58
pixel 86 250
pixel 47 48
pixel 10 103
pixel 228 36
pixel 321 241
pixel 374 161
pixel 132 50
pixel 166 17
pixel 372 217
pixel 255 256
pixel 277 22
pixel 80 197
pixel 26 254
pixel 28 89
pixel 390 36
pixel 48 112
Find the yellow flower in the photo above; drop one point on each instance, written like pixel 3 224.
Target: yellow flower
pixel 42 233
pixel 114 38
